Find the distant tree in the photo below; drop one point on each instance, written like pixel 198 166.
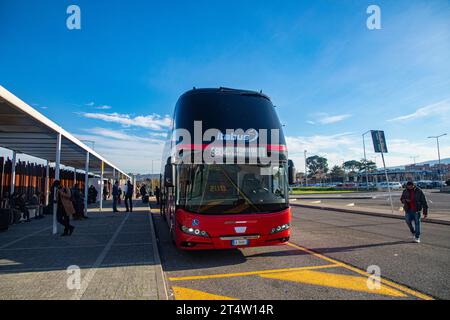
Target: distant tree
pixel 371 166
pixel 352 165
pixel 317 166
pixel 337 172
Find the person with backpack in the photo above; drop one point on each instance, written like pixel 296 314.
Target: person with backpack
pixel 414 201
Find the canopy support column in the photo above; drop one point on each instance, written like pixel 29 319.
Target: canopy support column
pixel 13 173
pixel 47 181
pixel 101 188
pixel 86 182
pixel 57 167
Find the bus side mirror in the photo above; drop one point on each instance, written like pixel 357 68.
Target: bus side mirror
pixel 291 172
pixel 168 175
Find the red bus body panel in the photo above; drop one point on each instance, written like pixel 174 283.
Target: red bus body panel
pixel 224 226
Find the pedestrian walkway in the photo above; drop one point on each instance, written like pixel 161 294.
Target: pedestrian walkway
pixel 115 253
pixel 351 207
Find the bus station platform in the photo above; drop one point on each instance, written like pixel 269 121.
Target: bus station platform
pixel 116 254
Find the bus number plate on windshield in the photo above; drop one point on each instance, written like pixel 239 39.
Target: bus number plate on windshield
pixel 240 242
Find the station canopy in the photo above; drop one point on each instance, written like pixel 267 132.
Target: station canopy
pixel 25 130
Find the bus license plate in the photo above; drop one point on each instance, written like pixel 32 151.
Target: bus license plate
pixel 240 242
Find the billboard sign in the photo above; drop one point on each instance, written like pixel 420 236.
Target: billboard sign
pixel 379 141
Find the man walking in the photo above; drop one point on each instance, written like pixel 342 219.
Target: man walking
pixel 128 196
pixel 116 195
pixel 414 202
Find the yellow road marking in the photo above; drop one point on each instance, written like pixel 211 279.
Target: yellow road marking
pixel 191 294
pixel 242 274
pixel 361 272
pixel 339 281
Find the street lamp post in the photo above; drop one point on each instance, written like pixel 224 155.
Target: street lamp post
pixel 306 173
pixel 439 156
pixel 365 159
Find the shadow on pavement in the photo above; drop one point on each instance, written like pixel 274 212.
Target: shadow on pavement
pixel 174 259
pixel 105 240
pixel 327 250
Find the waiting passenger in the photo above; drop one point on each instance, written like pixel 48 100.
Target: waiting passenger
pixel 65 208
pixel 128 196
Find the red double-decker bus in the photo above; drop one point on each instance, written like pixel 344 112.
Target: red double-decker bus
pixel 233 199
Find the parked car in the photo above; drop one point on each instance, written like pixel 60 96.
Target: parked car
pixel 364 185
pixel 437 184
pixel 392 185
pixel 425 184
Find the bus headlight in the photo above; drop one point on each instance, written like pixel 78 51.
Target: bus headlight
pixel 194 232
pixel 280 228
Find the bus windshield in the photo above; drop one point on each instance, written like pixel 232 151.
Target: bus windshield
pixel 232 189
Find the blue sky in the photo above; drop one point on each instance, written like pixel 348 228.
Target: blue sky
pixel 117 79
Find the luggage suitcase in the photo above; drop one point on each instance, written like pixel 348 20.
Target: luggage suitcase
pixel 5 217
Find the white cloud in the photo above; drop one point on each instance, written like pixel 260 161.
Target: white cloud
pixel 325 118
pixel 105 107
pixel 90 104
pixel 348 146
pixel 119 135
pixel 159 134
pixel 129 152
pixel 437 109
pixel 154 121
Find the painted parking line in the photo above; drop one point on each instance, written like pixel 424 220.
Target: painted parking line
pixel 306 275
pixel 181 293
pixel 391 284
pixel 338 281
pixel 250 273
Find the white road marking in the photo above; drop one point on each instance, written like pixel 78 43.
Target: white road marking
pixel 91 273
pixel 24 237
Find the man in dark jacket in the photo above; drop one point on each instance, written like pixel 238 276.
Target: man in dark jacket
pixel 414 202
pixel 128 196
pixel 115 194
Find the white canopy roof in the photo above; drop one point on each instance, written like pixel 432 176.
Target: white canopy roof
pixel 25 130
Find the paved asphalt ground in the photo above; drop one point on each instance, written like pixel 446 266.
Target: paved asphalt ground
pixel 327 258
pixel 115 254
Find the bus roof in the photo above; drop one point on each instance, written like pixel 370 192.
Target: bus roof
pixel 226 90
